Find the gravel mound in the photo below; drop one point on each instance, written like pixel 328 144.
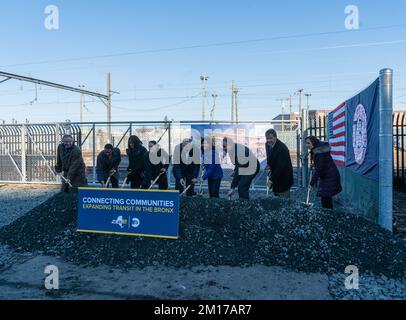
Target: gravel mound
pixel 18 199
pixel 273 232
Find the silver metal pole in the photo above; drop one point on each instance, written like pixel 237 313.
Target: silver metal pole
pixel 23 155
pixel 94 153
pixel 385 148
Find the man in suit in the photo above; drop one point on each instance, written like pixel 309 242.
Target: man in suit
pixel 245 170
pixel 279 165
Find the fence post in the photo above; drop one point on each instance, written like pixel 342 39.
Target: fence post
pixel 304 132
pixel 23 155
pixel 94 153
pixel 170 152
pixel 385 148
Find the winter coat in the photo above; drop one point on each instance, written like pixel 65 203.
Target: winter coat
pixel 241 167
pixel 325 170
pixel 136 161
pixel 182 170
pixel 152 171
pixel 278 159
pixel 70 162
pixel 212 167
pixel 106 164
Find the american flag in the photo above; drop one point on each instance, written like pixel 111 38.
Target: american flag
pixel 336 126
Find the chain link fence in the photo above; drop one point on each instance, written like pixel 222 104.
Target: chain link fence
pixel 28 151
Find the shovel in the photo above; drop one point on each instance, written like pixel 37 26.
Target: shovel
pixel 267 186
pixel 155 181
pixel 109 178
pixel 66 182
pixel 184 191
pixel 124 183
pixel 308 191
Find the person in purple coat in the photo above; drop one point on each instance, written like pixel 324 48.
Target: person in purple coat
pixel 324 170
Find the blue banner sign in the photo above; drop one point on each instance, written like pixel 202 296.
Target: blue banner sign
pixel 150 213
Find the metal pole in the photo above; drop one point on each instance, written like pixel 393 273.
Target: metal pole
pixel 204 79
pixel 23 155
pixel 170 152
pixel 291 114
pixel 304 149
pixel 109 107
pixel 214 95
pixel 81 104
pixel 300 108
pixel 385 148
pixel 232 102
pixel 298 162
pixel 236 103
pixel 94 153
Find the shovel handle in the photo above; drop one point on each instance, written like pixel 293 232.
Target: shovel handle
pixel 124 183
pixel 66 181
pixel 155 181
pixel 184 191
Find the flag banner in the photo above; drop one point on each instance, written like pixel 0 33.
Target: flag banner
pixel 362 132
pixel 336 132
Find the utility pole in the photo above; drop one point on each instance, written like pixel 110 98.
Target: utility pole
pixel 214 96
pixel 291 116
pixel 308 95
pixel 81 103
pixel 300 92
pixel 232 101
pixel 204 78
pixel 235 92
pixel 283 111
pixel 109 138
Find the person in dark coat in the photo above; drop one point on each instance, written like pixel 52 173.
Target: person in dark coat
pixel 156 164
pixel 186 166
pixel 324 170
pixel 70 164
pixel 213 172
pixel 246 167
pixel 136 162
pixel 107 165
pixel 279 165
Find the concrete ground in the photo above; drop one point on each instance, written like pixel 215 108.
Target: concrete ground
pixel 24 279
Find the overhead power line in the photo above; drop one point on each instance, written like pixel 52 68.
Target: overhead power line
pixel 209 45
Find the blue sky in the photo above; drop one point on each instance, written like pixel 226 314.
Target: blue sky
pixel 332 67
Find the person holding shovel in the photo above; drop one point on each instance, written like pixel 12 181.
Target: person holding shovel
pixel 70 164
pixel 279 165
pixel 213 172
pixel 246 167
pixel 186 166
pixel 107 166
pixel 136 162
pixel 324 170
pixel 156 166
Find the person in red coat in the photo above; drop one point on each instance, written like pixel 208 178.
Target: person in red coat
pixel 324 170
